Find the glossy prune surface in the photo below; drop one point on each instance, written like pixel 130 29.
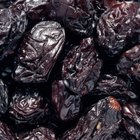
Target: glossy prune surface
pixel 129 63
pixel 40 133
pixel 38 52
pixel 27 106
pixel 118 26
pixel 81 67
pixel 66 104
pixel 98 123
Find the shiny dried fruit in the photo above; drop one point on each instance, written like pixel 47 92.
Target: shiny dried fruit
pixel 27 106
pixel 3 98
pixel 110 85
pixel 34 9
pixel 66 104
pixel 5 132
pixel 81 67
pixel 118 27
pixel 38 52
pixel 98 123
pixel 131 115
pixel 72 17
pixel 40 133
pixel 129 63
pixel 12 26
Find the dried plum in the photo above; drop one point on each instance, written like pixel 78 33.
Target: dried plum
pixel 40 133
pixel 129 63
pixel 67 105
pixel 38 52
pixel 131 119
pixel 81 67
pixel 101 122
pixel 28 106
pixel 118 27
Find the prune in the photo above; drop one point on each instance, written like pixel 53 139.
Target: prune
pixel 5 132
pixel 129 63
pixel 110 85
pixel 3 98
pixel 67 105
pixel 38 52
pixel 100 123
pixel 27 106
pixel 131 119
pixel 72 17
pixel 81 67
pixel 40 133
pixel 12 26
pixel 118 27
pixel 34 9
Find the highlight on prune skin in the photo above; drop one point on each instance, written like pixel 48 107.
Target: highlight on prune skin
pixel 72 17
pixel 129 63
pixel 3 98
pixel 12 26
pixel 5 132
pixel 110 85
pixel 66 104
pixel 34 9
pixel 40 133
pixel 27 106
pixel 118 27
pixel 101 122
pixel 81 67
pixel 131 119
pixel 38 52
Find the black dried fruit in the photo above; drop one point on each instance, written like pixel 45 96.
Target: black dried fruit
pixel 66 104
pixel 118 27
pixel 81 67
pixel 38 52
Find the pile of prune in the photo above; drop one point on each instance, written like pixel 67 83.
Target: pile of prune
pixel 69 70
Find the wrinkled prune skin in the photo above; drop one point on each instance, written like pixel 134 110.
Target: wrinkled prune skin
pixel 27 106
pixel 129 63
pixel 131 119
pixel 100 123
pixel 72 17
pixel 38 52
pixel 5 132
pixel 40 133
pixel 81 67
pixel 67 105
pixel 110 85
pixel 34 9
pixel 3 98
pixel 118 27
pixel 12 26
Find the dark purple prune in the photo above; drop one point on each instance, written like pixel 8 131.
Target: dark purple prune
pixel 100 123
pixel 34 9
pixel 72 17
pixel 3 98
pixel 67 106
pixel 131 119
pixel 129 63
pixel 5 132
pixel 40 133
pixel 110 85
pixel 81 67
pixel 27 106
pixel 38 52
pixel 118 26
pixel 12 26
